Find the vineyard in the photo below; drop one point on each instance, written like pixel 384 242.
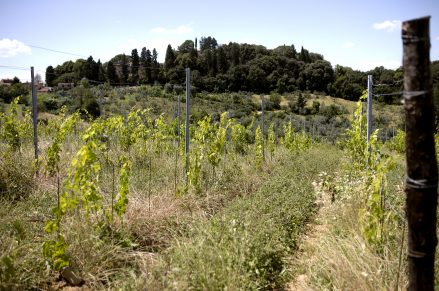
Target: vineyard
pixel 118 202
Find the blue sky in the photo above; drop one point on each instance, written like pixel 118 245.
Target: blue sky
pixel 361 35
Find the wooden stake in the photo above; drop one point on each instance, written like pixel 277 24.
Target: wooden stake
pixel 262 126
pixel 34 119
pixel 188 95
pixel 422 172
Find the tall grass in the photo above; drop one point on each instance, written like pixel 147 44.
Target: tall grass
pixel 345 259
pixel 247 245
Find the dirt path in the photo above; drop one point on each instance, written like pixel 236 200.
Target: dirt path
pixel 310 240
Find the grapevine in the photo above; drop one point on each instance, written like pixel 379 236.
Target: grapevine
pixel 14 128
pixel 271 140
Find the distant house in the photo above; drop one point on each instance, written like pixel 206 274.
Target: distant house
pixel 65 86
pixel 38 85
pixel 45 90
pixel 5 82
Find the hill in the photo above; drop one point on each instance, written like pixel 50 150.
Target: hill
pixel 230 67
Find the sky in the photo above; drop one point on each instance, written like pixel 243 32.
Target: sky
pixel 361 35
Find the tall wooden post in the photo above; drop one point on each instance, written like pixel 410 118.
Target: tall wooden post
pixel 34 117
pixel 263 125
pixel 178 118
pixel 188 95
pixel 369 107
pixel 422 172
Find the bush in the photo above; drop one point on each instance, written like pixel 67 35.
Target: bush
pixel 168 88
pixel 156 91
pixel 47 102
pixel 92 108
pixel 178 89
pixel 275 99
pixel 16 176
pixel 331 110
pixel 315 107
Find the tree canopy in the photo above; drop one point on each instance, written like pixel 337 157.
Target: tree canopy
pixel 231 67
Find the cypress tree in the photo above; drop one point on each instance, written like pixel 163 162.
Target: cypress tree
pixel 50 76
pixel 134 66
pixel 111 73
pixel 169 58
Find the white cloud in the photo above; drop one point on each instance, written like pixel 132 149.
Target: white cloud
pixel 12 47
pixel 182 29
pixel 348 44
pixel 388 25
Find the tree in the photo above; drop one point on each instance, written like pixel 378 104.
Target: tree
pixel 91 70
pixel 235 53
pixel 222 62
pixel 285 51
pixel 315 107
pixel 134 66
pixel 8 93
pixel 124 67
pixel 208 43
pixel 275 99
pixel 80 69
pixel 15 80
pixel 304 55
pixel 38 79
pixel 187 46
pixel 111 73
pixel 211 62
pixel 300 103
pixel 169 58
pixel 155 66
pixel 142 68
pixel 294 51
pixel 318 75
pixel 256 78
pixel 100 71
pixel 50 76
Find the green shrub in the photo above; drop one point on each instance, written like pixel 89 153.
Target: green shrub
pixel 16 175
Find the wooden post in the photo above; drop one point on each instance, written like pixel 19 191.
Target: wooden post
pixel 178 119
pixel 422 172
pixel 34 118
pixel 369 108
pixel 188 95
pixel 177 144
pixel 262 126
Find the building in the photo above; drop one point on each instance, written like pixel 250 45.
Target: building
pixel 5 82
pixel 65 86
pixel 45 90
